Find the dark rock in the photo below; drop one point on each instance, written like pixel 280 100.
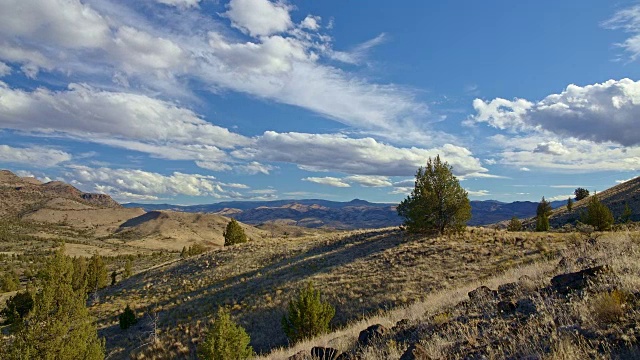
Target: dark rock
pixel 300 355
pixel 371 334
pixel 506 307
pixel 415 352
pixel 507 290
pixel 346 356
pixel 566 283
pixel 322 353
pixel 526 307
pixel 482 293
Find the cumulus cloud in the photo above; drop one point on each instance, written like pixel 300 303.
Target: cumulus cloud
pixel 365 156
pixel 328 180
pixel 259 17
pixel 580 155
pixel 369 180
pixel 125 120
pixel 605 112
pixel 143 183
pixel 35 156
pixel 552 148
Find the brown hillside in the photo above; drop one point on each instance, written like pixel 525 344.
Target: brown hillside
pixel 172 230
pixel 615 198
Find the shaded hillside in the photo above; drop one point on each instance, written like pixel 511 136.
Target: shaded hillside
pixel 615 198
pixel 173 230
pixel 491 211
pixel 355 214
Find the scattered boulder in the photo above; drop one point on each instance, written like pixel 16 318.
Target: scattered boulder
pixel 507 290
pixel 300 355
pixel 415 352
pixel 482 293
pixel 322 353
pixel 506 307
pixel 371 334
pixel 526 307
pixel 566 283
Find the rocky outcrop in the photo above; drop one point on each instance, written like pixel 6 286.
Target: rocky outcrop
pixel 415 352
pixel 566 283
pixel 372 334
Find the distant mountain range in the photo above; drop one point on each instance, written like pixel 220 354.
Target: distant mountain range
pixel 353 214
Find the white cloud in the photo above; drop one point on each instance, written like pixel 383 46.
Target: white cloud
pixel 4 69
pixel 358 53
pixel 125 120
pixel 477 193
pixel 366 156
pixel 68 23
pixel 311 23
pixel 36 156
pixel 125 182
pixel 405 183
pixel 581 155
pixel 401 191
pixel 253 168
pixel 328 180
pixel 605 112
pixel 624 181
pixel 259 17
pixel 139 51
pixel 369 180
pixel 627 20
pixel 560 197
pixel 525 169
pixel 181 3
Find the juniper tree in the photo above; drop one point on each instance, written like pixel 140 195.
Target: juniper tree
pixel 128 268
pixel 59 325
pixel 515 224
pixel 437 202
pixel 626 214
pixel 569 204
pixel 542 215
pixel 581 193
pixel 307 315
pixel 97 276
pixel 234 234
pixel 598 214
pixel 225 340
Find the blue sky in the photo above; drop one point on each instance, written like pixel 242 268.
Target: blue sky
pixel 199 101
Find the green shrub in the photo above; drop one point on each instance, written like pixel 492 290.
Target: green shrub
pixel 514 224
pixel 225 340
pixel 598 214
pixel 18 306
pixel 127 318
pixel 308 316
pixel 234 234
pixel 10 281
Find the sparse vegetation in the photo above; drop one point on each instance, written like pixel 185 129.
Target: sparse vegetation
pixel 127 319
pixel 59 326
pixel 307 315
pixel 225 340
pixel 598 214
pixel 437 203
pixel 515 224
pixel 542 215
pixel 234 234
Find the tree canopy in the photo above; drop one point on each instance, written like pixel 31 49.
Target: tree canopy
pixel 542 215
pixel 581 193
pixel 598 214
pixel 437 203
pixel 234 234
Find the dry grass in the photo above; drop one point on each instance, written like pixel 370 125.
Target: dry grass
pixel 599 323
pixel 362 273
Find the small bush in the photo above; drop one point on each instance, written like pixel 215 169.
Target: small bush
pixel 608 307
pixel 10 282
pixel 308 316
pixel 225 340
pixel 127 318
pixel 514 224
